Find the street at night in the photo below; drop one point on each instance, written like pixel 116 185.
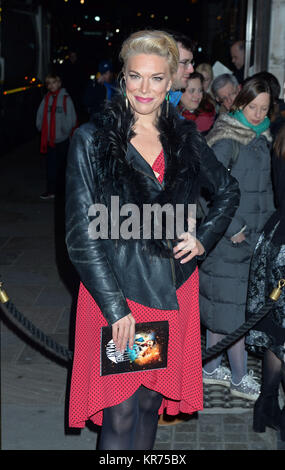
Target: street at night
pixel 60 60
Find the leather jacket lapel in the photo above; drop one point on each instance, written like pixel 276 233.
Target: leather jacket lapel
pixel 140 164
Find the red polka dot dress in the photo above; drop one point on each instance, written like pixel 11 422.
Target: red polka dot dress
pixel 180 383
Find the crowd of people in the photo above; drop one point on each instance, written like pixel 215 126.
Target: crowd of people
pixel 167 132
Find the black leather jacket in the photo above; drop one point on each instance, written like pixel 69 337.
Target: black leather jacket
pixel 102 163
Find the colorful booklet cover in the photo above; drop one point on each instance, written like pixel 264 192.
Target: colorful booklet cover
pixel 149 351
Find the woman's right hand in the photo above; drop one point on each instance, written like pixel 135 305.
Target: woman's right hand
pixel 124 330
pixel 240 237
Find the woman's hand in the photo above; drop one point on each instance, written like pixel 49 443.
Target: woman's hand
pixel 124 330
pixel 240 237
pixel 189 244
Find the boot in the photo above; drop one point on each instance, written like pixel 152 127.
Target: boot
pixel 267 413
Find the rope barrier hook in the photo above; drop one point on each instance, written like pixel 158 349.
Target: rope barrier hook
pixel 223 344
pixel 3 296
pixel 275 294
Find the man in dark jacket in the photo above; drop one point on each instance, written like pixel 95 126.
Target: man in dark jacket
pixel 238 57
pixel 99 89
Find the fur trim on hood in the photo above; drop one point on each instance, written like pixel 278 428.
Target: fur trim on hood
pixel 227 127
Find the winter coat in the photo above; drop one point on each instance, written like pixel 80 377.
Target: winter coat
pixel 65 116
pixel 204 119
pixel 102 163
pixel 224 273
pixel 266 270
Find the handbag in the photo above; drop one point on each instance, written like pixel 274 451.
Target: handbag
pixel 148 353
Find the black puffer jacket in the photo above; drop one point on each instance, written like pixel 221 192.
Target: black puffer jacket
pixel 103 163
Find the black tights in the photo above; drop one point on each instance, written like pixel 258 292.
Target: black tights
pixel 272 373
pixel 132 424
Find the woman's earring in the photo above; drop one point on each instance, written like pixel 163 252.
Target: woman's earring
pixel 126 100
pixel 122 83
pixel 167 98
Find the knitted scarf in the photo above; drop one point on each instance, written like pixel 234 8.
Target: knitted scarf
pixel 259 129
pixel 48 128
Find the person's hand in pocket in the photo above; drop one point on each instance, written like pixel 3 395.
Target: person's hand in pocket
pixel 240 237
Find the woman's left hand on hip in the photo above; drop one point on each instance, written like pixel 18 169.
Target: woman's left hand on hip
pixel 188 247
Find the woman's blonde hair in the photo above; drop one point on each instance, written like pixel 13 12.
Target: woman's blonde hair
pixel 151 42
pixel 205 68
pixel 52 76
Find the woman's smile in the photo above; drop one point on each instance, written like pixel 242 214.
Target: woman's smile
pixel 147 82
pixel 143 100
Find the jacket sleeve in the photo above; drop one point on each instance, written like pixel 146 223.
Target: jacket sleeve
pixel 86 254
pixel 224 196
pixel 223 150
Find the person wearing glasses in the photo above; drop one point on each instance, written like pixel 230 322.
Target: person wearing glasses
pixel 225 89
pixel 186 49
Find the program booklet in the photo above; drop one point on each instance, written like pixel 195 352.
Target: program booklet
pixel 149 351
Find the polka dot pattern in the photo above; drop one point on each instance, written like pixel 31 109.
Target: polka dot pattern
pixel 158 167
pixel 180 383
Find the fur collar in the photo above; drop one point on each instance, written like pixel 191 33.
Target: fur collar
pixel 227 127
pixel 180 141
pixel 118 165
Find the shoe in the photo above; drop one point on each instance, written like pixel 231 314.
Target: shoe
pixel 248 388
pixel 220 376
pixel 47 196
pixel 266 413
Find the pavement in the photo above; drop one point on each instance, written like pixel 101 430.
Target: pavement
pixel 42 284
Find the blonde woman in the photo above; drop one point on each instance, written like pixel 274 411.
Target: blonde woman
pixel 207 72
pixel 141 152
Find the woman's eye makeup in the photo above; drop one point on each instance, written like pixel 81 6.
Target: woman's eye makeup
pixel 134 76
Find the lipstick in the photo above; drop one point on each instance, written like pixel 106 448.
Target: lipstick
pixel 143 100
